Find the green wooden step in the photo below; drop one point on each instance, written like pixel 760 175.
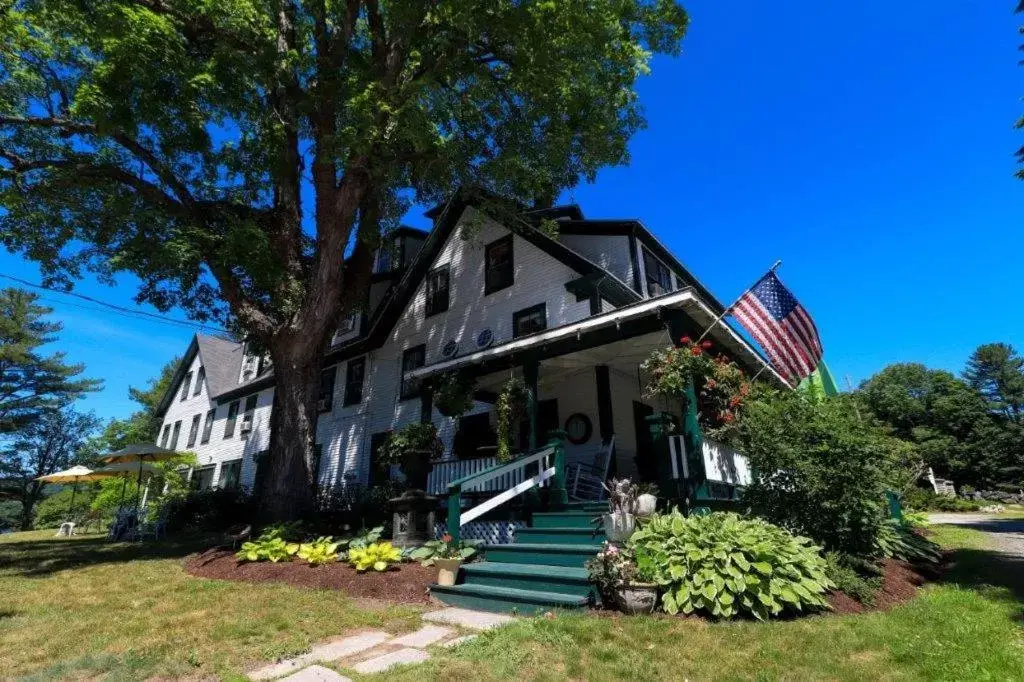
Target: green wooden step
pixel 587 506
pixel 565 519
pixel 540 554
pixel 559 579
pixel 506 599
pixel 560 536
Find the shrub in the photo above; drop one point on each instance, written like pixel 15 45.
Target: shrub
pixel 345 507
pixel 858 579
pixel 915 519
pixel 267 547
pixel 897 541
pixel 823 472
pixel 321 551
pixel 51 511
pixel 379 556
pixel 927 500
pixel 207 510
pixel 726 566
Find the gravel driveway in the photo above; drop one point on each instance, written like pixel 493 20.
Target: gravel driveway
pixel 1007 534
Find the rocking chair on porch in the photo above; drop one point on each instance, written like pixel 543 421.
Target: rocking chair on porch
pixel 585 479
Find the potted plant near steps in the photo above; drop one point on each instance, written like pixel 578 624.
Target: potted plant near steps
pixel 624 581
pixel 447 554
pixel 620 521
pixel 413 448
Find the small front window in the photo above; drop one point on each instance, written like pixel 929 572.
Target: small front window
pixel 208 427
pixel 530 320
pixel 659 277
pixel 354 376
pixel 229 425
pixel 230 474
pixel 166 437
pixel 175 434
pixel 325 400
pixel 200 378
pixel 437 291
pixel 185 383
pixel 193 431
pixel 498 263
pixel 412 358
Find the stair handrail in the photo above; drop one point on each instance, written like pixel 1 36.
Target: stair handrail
pixel 551 461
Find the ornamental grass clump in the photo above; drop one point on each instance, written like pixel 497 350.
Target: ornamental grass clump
pixel 726 566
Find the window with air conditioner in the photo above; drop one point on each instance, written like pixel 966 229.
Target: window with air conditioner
pixel 247 416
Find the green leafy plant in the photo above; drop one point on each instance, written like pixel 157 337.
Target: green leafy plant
pixel 855 577
pixel 915 519
pixel 379 556
pixel 445 548
pixel 897 541
pixel 366 538
pixel 453 394
pixel 727 566
pixel 321 551
pixel 413 447
pixel 269 546
pixel 511 408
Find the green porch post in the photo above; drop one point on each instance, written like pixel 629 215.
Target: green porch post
pixel 454 512
pixel 694 439
pixel 661 425
pixel 559 497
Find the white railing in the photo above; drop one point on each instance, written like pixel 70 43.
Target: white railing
pixel 722 464
pixel 447 470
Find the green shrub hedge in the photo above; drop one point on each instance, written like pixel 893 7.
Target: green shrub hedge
pixel 727 566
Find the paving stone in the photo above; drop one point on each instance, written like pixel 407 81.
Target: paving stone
pixel 275 670
pixel 343 648
pixel 458 640
pixel 467 618
pixel 316 673
pixel 382 663
pixel 425 636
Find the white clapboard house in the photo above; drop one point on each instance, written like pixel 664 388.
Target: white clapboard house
pixel 574 316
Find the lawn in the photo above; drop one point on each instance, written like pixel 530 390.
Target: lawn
pixel 86 609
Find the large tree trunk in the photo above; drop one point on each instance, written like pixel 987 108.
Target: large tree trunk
pixel 29 497
pixel 287 491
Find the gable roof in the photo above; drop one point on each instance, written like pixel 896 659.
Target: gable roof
pixel 222 359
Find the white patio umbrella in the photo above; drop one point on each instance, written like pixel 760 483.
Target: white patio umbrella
pixel 73 476
pixel 140 453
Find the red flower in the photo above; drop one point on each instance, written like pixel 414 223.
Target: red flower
pixel 706 345
pixel 734 401
pixel 728 418
pixel 446 538
pixel 685 340
pixel 696 350
pixel 744 389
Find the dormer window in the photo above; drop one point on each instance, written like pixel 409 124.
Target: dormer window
pixel 250 366
pixel 659 277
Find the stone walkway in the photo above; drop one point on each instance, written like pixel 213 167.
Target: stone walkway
pixel 375 651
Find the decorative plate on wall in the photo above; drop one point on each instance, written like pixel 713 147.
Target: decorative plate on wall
pixel 578 428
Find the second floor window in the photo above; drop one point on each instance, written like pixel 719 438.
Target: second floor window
pixel 498 265
pixel 659 277
pixel 354 376
pixel 208 426
pixel 229 425
pixel 530 320
pixel 325 401
pixel 175 434
pixel 200 378
pixel 166 437
pixel 250 411
pixel 193 431
pixel 437 291
pixel 413 358
pixel 185 383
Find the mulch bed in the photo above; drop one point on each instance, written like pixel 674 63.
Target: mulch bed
pixel 900 582
pixel 405 584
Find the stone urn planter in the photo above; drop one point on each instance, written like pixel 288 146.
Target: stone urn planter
pixel 646 505
pixel 619 526
pixel 413 519
pixel 638 598
pixel 447 571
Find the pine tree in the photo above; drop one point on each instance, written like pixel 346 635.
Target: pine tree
pixel 997 372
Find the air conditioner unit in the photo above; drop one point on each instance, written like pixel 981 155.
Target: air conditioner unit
pixel 484 338
pixel 450 349
pixel 246 424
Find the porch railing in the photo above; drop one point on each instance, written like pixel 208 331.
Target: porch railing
pixel 447 470
pixel 721 463
pixel 550 466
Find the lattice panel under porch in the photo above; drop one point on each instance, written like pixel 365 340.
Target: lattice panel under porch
pixel 493 532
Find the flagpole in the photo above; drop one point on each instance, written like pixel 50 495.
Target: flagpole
pixel 725 312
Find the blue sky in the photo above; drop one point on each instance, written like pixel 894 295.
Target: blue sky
pixel 868 145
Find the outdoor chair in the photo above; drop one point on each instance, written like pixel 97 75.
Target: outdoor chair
pixel 91 519
pixel 585 480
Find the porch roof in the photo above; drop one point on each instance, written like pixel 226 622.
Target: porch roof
pixel 626 322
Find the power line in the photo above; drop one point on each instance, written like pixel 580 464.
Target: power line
pixel 136 314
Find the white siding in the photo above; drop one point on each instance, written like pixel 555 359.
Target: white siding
pixel 219 449
pixel 611 252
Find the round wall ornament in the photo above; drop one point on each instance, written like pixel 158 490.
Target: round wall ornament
pixel 578 428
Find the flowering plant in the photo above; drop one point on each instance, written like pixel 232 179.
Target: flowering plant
pixel 445 548
pixel 720 385
pixel 616 567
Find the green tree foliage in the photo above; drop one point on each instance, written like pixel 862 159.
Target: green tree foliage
pixel 49 443
pixel 30 380
pixel 996 371
pixel 241 157
pixel 53 510
pixel 823 469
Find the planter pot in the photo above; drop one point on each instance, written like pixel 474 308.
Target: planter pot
pixel 638 598
pixel 619 526
pixel 646 505
pixel 447 571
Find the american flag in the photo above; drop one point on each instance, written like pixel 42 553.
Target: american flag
pixel 781 325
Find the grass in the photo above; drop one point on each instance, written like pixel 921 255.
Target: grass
pixel 968 627
pixel 86 608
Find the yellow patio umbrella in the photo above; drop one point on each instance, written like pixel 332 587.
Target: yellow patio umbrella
pixel 74 475
pixel 141 453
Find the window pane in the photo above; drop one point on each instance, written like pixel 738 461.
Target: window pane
pixel 354 381
pixel 412 359
pixel 185 383
pixel 229 426
pixel 175 434
pixel 437 291
pixel 167 436
pixel 530 320
pixel 498 265
pixel 208 426
pixel 230 474
pixel 200 378
pixel 193 431
pixel 326 397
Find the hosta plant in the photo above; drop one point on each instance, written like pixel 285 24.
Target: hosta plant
pixel 267 547
pixel 727 566
pixel 321 551
pixel 897 541
pixel 445 548
pixel 379 556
